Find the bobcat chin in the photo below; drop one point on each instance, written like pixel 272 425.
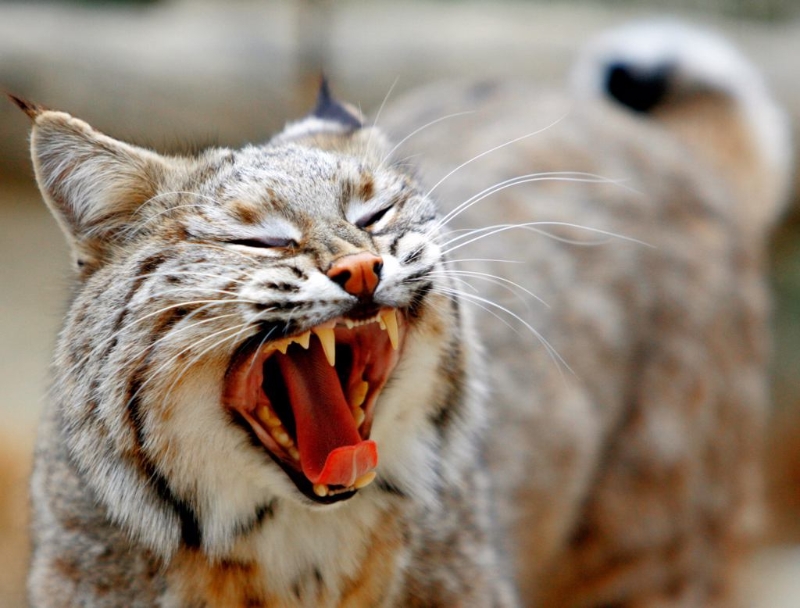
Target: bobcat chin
pixel 269 390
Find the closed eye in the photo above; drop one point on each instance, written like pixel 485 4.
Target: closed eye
pixel 372 218
pixel 264 242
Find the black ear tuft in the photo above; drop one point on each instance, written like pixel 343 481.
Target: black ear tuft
pixel 638 88
pixel 329 109
pixel 31 109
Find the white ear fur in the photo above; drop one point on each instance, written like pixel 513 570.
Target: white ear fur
pixel 91 182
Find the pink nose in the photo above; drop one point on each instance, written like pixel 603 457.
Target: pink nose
pixel 358 273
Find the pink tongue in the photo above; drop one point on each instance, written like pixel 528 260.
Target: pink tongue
pixel 331 449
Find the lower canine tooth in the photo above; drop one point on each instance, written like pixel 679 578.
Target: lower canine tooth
pixel 328 341
pixel 389 318
pixel 364 480
pixel 320 490
pixel 358 416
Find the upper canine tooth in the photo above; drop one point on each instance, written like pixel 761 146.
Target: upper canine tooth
pixel 389 318
pixel 328 341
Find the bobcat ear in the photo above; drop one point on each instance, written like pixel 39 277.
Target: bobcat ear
pixel 92 183
pixel 332 110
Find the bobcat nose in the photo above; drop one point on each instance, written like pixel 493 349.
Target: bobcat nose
pixel 357 273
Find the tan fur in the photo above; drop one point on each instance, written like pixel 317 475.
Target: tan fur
pixel 633 478
pixel 615 462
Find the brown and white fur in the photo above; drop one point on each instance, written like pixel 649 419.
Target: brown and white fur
pixel 627 480
pixel 632 477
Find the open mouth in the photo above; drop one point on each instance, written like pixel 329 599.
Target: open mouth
pixel 310 399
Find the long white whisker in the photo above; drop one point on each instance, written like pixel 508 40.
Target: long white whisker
pixel 255 352
pixel 490 150
pixel 171 360
pixel 378 115
pixel 532 226
pixel 174 332
pixel 463 260
pixel 552 176
pixel 422 128
pixel 188 365
pixel 552 352
pixel 492 278
pixel 190 303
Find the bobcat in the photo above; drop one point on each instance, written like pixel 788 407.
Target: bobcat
pixel 268 390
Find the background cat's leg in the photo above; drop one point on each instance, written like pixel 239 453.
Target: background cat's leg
pixel 677 501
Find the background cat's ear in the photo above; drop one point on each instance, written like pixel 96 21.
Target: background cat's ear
pixel 92 183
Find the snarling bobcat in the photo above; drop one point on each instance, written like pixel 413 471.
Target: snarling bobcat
pixel 268 390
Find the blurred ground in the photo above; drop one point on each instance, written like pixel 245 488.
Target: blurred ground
pixel 201 71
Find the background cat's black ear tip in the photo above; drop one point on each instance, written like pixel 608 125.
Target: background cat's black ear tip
pixel 640 89
pixel 31 109
pixel 328 108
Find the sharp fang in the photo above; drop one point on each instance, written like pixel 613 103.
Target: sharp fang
pixel 328 341
pixel 359 394
pixel 294 453
pixel 389 318
pixel 364 480
pixel 304 339
pixel 381 324
pixel 320 490
pixel 282 345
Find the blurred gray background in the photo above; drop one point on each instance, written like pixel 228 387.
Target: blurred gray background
pixel 175 74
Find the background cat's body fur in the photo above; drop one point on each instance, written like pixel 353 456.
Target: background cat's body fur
pixel 631 480
pixel 634 478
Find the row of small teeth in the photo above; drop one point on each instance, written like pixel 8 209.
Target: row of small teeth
pixel 387 319
pixel 277 431
pixel 322 490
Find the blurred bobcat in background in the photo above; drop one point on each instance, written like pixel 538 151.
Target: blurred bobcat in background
pixel 268 391
pixel 633 477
